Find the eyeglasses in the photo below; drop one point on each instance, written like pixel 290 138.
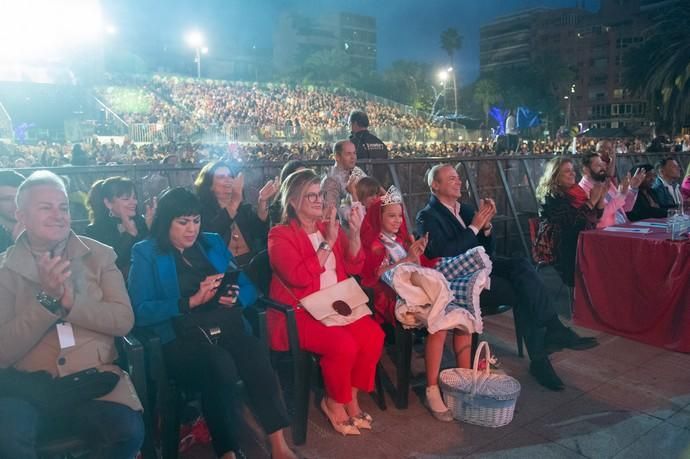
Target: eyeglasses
pixel 314 197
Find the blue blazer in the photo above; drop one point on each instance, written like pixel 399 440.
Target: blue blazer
pixel 663 197
pixel 447 237
pixel 153 286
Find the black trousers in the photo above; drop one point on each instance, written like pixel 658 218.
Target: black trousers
pixel 215 369
pixel 515 282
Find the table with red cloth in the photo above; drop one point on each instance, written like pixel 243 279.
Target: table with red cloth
pixel 635 285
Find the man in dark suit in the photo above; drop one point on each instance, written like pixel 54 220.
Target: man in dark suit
pixel 666 184
pixel 454 228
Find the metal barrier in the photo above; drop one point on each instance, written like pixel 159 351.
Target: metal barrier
pixel 509 180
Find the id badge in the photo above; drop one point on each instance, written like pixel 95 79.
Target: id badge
pixel 65 335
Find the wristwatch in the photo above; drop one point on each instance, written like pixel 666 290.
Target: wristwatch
pixel 325 246
pixel 51 304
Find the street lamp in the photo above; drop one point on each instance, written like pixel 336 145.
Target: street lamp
pixel 196 40
pixel 455 88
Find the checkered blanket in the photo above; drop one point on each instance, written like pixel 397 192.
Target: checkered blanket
pixel 439 302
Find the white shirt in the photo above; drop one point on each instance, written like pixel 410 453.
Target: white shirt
pixel 455 210
pixel 329 276
pixel 510 126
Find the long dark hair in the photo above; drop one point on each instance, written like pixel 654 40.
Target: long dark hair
pixel 110 188
pixel 204 181
pixel 174 203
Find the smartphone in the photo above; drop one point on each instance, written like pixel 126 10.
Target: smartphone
pixel 228 284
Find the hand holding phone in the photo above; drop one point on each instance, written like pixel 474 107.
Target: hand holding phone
pixel 228 289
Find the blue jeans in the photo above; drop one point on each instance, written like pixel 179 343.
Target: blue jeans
pixel 111 430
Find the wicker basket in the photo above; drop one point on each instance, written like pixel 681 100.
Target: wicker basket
pixel 483 399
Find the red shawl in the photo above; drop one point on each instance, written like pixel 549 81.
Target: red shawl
pixel 577 196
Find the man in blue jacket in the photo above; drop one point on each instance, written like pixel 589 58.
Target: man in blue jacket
pixel 454 228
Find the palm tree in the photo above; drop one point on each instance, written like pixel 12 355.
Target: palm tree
pixel 451 41
pixel 659 69
pixel 486 93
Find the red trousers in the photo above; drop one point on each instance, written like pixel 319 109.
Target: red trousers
pixel 348 354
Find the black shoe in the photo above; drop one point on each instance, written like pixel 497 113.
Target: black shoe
pixel 566 338
pixel 545 374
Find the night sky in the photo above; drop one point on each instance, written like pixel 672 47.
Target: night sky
pixel 407 29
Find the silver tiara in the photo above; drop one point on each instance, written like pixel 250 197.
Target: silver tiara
pixel 392 196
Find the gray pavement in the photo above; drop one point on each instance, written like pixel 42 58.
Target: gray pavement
pixel 623 399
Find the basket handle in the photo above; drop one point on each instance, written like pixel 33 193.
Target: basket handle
pixel 475 366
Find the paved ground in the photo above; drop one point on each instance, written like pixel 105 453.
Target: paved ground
pixel 622 399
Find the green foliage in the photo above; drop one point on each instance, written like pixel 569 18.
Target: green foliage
pixel 659 69
pixel 486 94
pixel 451 41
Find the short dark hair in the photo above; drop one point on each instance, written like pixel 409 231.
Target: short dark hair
pixel 360 117
pixel 290 167
pixel 204 181
pixel 662 162
pixel 174 203
pixel 587 158
pixel 11 178
pixel 110 188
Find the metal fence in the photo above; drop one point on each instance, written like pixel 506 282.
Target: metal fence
pixel 510 181
pixel 160 132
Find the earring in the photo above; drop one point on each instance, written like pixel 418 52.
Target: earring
pixel 110 213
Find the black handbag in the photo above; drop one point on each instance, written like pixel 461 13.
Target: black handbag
pixel 57 394
pixel 207 325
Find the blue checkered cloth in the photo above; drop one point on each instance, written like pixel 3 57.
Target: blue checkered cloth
pixel 467 275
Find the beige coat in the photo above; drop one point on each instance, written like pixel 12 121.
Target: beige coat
pixel 28 336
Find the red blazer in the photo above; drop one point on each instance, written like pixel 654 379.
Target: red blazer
pixel 294 259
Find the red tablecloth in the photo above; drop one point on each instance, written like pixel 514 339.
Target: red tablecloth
pixel 635 285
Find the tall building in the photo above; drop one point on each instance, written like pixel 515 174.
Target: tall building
pixel 297 36
pixel 592 45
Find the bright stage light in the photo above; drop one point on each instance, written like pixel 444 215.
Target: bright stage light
pixel 194 39
pixel 45 30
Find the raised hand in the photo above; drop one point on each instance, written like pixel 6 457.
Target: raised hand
pixel 332 227
pixel 624 186
pixel 238 187
pixel 483 216
pixel 207 289
pixel 351 186
pixel 416 250
pixel 129 225
pixel 354 221
pixel 150 211
pixel 53 272
pixel 638 178
pixel 269 190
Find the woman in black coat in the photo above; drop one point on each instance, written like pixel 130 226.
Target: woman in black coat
pixel 565 210
pixel 219 187
pixel 114 221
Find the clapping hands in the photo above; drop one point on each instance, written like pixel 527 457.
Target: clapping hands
pixel 482 218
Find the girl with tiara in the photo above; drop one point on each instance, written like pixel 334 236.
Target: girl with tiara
pixel 419 296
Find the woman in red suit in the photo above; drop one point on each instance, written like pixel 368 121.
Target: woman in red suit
pixel 308 254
